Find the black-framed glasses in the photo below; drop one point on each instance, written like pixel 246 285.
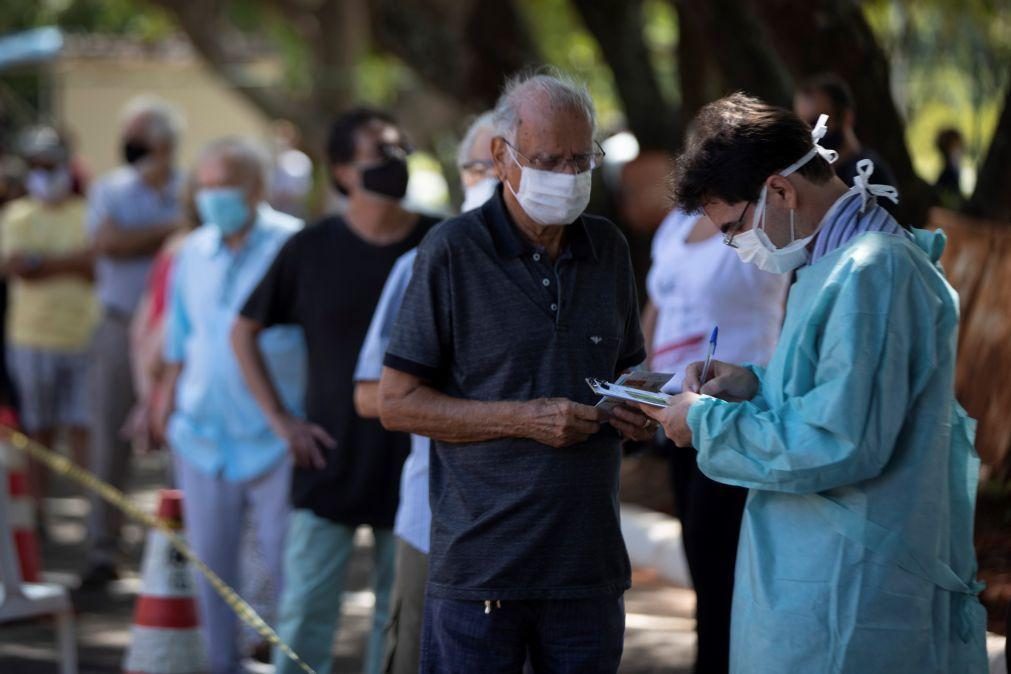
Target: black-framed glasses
pixel 730 231
pixel 583 162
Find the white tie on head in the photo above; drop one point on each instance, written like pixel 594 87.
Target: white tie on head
pixel 817 133
pixel 865 167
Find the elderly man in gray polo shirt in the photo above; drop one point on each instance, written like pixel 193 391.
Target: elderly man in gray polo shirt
pixel 131 211
pixel 510 307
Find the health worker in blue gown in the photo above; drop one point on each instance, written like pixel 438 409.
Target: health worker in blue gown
pixel 856 551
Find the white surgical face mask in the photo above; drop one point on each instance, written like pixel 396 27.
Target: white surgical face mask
pixel 754 245
pixel 48 186
pixel 551 198
pixel 478 193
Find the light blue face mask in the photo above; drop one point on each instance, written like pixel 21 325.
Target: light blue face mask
pixel 224 208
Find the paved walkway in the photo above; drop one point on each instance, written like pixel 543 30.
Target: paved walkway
pixel 658 637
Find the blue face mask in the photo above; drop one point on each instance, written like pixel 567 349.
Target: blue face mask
pixel 224 208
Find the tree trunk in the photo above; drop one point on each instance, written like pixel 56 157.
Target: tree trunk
pixel 819 36
pixel 463 50
pixel 697 73
pixel 733 38
pixel 617 25
pixel 992 196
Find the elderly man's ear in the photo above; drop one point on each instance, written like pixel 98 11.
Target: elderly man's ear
pixel 500 155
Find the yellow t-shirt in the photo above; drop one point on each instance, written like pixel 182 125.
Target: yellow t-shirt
pixel 59 312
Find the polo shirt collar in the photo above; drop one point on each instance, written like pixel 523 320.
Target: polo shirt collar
pixel 510 243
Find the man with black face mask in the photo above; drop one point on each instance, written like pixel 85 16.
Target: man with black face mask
pixel 327 279
pixel 829 95
pixel 131 211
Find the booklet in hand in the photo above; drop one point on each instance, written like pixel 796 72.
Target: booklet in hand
pixel 633 387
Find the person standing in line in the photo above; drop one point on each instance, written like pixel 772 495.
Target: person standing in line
pixel 327 279
pixel 49 264
pixel 131 211
pixel 228 461
pixel 510 308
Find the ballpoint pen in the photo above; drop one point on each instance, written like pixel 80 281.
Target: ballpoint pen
pixel 709 355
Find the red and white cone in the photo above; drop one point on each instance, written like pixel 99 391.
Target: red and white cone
pixel 22 514
pixel 165 638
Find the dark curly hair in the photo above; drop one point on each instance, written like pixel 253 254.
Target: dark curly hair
pixel 734 144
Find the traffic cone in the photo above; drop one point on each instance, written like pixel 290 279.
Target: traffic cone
pixel 22 512
pixel 165 638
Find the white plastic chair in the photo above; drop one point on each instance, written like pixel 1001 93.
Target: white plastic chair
pixel 20 600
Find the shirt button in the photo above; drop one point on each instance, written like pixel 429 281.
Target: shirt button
pixel 546 282
pixel 554 307
pixel 537 257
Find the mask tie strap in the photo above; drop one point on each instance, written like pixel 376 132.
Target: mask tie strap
pixel 861 183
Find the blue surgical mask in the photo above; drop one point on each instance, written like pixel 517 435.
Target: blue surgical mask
pixel 224 208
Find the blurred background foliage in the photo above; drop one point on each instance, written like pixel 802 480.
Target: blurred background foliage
pixel 437 62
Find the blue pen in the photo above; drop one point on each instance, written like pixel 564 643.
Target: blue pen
pixel 709 355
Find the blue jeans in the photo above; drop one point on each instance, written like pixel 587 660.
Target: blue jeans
pixel 566 636
pixel 315 564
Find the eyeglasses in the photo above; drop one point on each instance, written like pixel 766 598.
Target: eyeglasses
pixel 477 166
pixel 730 231
pixel 557 164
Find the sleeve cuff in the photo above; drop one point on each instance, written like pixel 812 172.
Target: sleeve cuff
pixel 425 372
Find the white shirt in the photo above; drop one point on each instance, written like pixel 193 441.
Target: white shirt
pixel 695 286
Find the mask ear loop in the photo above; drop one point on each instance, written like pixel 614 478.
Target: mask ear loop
pixel 793 232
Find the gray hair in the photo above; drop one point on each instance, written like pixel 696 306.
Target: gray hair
pixel 560 90
pixel 484 122
pixel 162 120
pixel 246 160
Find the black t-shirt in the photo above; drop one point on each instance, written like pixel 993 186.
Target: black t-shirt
pixel 328 280
pixel 487 316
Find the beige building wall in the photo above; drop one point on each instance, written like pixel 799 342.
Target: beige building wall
pixel 89 94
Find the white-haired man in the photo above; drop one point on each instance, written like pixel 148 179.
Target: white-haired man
pixel 414 517
pixel 510 308
pixel 131 211
pixel 228 461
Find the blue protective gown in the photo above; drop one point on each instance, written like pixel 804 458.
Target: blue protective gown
pixel 856 551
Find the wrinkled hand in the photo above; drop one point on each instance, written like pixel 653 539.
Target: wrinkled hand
pixel 559 422
pixel 632 424
pixel 305 441
pixel 732 383
pixel 674 418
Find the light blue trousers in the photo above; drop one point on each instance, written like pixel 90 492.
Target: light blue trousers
pixel 214 512
pixel 316 558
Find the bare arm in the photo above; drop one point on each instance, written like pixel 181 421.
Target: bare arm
pixel 114 241
pixel 647 320
pixel 169 379
pixel 303 438
pixel 407 404
pixel 367 399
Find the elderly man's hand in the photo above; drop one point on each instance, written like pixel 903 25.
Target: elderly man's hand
pixel 559 422
pixel 631 423
pixel 674 417
pixel 728 382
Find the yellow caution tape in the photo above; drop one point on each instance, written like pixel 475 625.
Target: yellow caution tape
pixel 66 468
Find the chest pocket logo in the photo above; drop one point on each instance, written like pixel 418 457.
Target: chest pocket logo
pixel 596 339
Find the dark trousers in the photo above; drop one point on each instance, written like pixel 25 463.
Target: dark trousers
pixel 710 515
pixel 574 636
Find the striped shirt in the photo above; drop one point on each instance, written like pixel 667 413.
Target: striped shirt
pixel 845 220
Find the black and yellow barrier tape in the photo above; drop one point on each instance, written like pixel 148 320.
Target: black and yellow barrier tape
pixel 67 468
